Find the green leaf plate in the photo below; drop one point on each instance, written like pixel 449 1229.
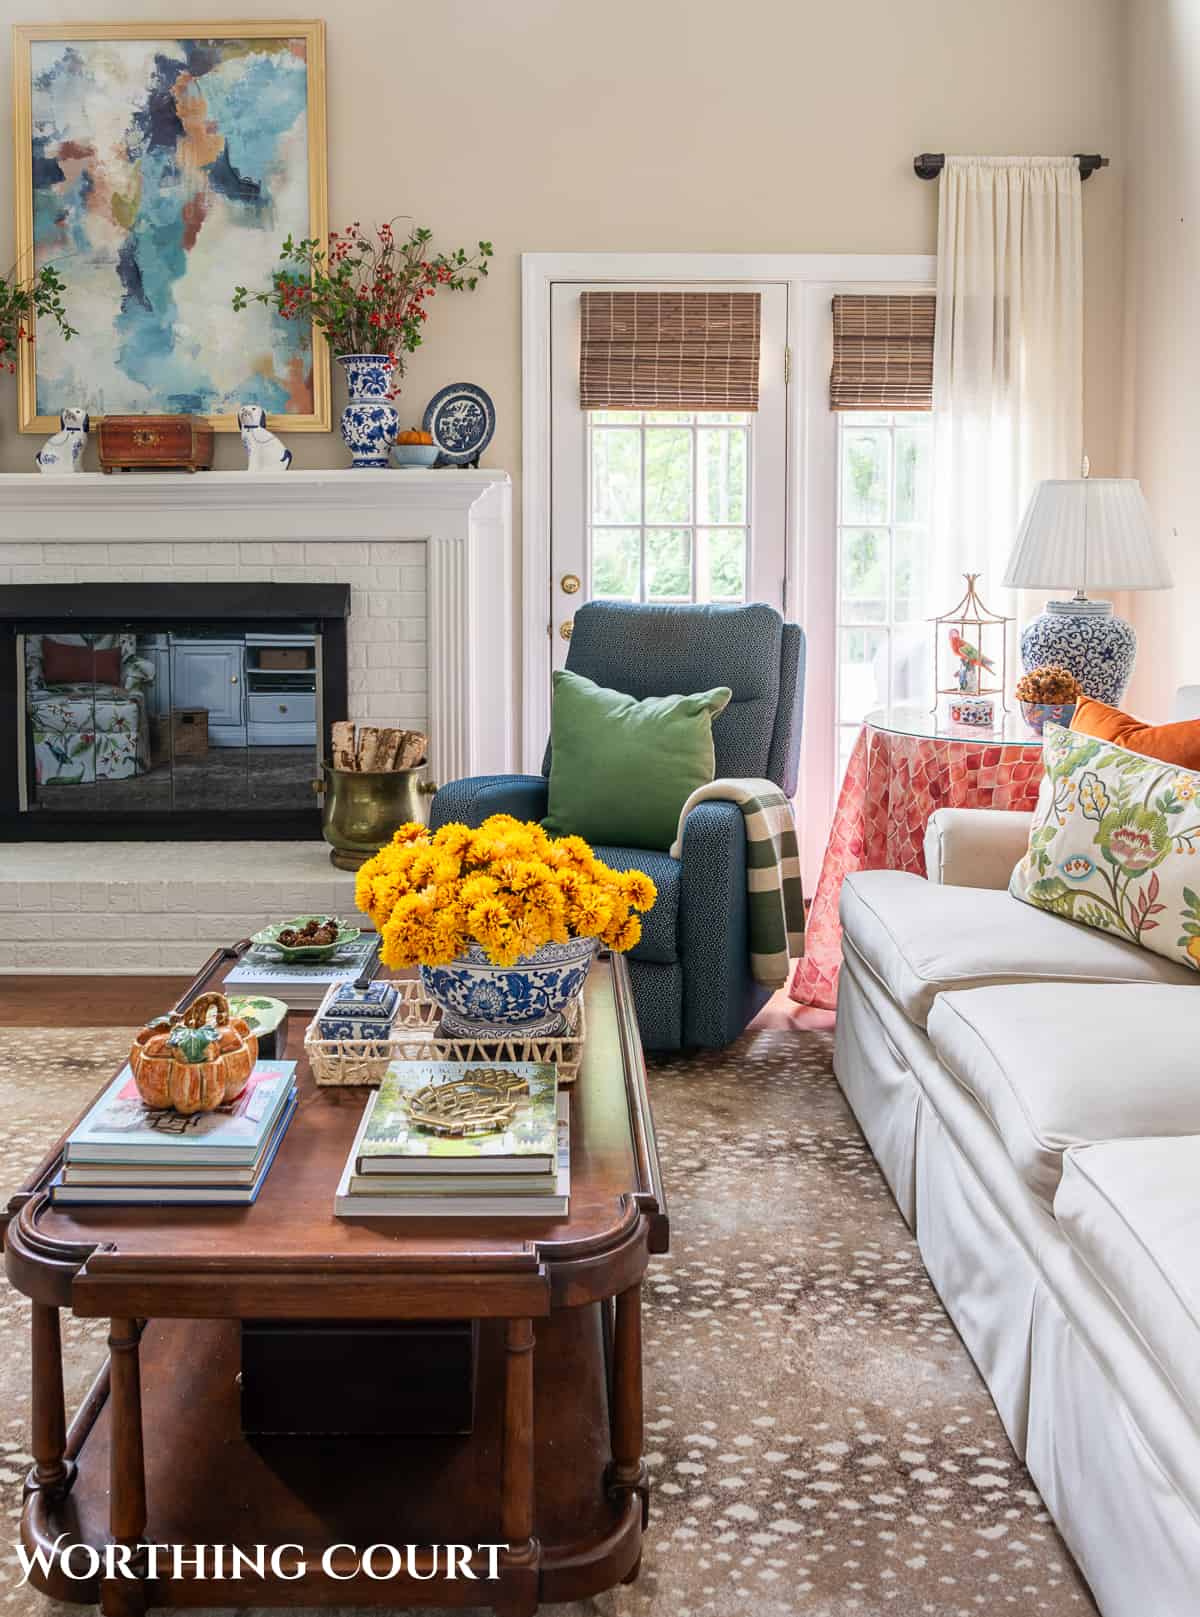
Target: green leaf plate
pixel 268 938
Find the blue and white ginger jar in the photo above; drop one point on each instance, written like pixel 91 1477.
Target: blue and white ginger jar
pixel 1089 640
pixel 370 421
pixel 526 1000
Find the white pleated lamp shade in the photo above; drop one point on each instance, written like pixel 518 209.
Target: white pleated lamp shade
pixel 1088 533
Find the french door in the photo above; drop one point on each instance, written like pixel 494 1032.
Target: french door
pixel 663 505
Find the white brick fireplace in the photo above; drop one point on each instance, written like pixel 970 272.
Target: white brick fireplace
pixel 428 558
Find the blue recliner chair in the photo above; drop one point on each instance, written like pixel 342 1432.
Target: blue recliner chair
pixel 691 970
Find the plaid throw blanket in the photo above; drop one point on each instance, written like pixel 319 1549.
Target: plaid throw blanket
pixel 775 895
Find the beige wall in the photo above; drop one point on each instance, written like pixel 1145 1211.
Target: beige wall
pixel 1161 425
pixel 773 125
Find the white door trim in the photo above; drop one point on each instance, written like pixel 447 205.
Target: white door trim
pixel 539 272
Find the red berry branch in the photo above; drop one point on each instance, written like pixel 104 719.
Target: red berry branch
pixel 368 294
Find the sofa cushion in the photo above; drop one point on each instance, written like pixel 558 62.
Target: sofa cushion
pixel 1058 1065
pixel 919 939
pixel 660 925
pixel 1131 1210
pixel 1112 845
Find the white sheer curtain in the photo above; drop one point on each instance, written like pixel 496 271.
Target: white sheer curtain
pixel 1008 359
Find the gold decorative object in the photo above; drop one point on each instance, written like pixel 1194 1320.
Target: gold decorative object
pixel 965 649
pixel 481 1102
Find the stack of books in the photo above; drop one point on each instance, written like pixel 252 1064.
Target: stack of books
pixel 398 1169
pixel 301 985
pixel 123 1151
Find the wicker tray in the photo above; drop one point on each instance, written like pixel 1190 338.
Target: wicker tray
pixel 415 1036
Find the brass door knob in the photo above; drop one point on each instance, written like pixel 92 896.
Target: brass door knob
pixel 565 629
pixel 233 679
pixel 570 584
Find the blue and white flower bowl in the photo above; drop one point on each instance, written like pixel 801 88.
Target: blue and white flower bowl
pixel 527 1000
pixel 370 421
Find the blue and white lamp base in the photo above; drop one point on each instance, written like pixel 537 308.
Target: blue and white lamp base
pixel 1089 640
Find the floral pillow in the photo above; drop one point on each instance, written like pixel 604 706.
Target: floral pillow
pixel 1114 844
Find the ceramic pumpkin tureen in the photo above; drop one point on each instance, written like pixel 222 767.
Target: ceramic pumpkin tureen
pixel 194 1062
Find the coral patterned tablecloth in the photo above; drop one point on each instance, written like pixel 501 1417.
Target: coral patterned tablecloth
pixel 893 783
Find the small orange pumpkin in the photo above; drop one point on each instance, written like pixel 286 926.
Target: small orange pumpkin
pixel 191 1064
pixel 414 436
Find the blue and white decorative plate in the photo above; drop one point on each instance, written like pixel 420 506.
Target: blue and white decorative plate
pixel 461 419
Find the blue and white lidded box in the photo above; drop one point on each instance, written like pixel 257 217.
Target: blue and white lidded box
pixel 359 1013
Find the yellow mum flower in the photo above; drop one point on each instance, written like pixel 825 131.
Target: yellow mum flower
pixel 410 831
pixel 623 935
pixel 453 838
pixel 638 889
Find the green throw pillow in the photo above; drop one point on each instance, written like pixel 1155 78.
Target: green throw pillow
pixel 620 769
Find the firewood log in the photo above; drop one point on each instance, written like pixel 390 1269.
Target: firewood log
pixel 368 748
pixel 388 754
pixel 343 745
pixel 412 751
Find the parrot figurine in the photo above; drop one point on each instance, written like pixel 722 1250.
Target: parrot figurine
pixel 968 655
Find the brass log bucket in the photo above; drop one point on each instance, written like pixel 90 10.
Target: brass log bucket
pixel 360 811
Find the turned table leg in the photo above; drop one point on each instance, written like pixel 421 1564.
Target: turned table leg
pixel 52 1473
pixel 627 1473
pixel 517 1504
pixel 125 1597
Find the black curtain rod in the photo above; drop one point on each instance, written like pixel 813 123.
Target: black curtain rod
pixel 930 164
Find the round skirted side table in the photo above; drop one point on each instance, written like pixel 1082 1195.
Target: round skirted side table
pixel 903 767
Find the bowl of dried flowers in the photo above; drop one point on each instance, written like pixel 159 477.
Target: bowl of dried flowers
pixel 1048 696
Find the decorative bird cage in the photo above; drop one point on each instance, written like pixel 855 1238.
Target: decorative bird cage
pixel 967 643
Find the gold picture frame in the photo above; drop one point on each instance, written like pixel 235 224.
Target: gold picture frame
pixel 25 37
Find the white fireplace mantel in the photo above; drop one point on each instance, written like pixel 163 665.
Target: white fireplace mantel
pixel 179 525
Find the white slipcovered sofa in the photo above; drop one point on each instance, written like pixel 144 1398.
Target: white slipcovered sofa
pixel 1031 1090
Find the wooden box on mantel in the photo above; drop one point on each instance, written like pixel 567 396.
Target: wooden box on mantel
pixel 148 442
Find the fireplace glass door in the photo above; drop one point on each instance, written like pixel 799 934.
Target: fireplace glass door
pixel 209 717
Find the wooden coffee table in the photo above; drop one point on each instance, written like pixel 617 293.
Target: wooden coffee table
pixel 156 1454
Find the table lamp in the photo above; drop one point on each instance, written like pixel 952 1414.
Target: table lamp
pixel 1093 532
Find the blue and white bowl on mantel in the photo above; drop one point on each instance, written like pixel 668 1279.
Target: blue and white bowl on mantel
pixel 1088 640
pixel 527 1000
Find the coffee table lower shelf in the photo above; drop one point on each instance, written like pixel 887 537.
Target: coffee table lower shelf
pixel 207 1484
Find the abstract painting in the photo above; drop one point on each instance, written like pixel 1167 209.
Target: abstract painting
pixel 156 171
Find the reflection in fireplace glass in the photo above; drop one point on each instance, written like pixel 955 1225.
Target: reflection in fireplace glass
pixel 205 716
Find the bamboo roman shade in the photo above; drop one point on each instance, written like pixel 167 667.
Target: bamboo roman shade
pixel 882 352
pixel 669 350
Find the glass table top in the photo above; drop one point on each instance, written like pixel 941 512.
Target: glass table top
pixel 1008 730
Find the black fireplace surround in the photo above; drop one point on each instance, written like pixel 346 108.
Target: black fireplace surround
pixel 187 711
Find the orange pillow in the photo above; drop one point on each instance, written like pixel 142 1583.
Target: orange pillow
pixel 1177 743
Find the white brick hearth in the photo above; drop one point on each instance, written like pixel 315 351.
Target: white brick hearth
pixel 428 558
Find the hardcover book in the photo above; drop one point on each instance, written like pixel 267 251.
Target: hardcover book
pixel 189 1194
pixel 390 1144
pixel 369 1202
pixel 119 1128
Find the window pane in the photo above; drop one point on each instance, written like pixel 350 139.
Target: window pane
pixel 865 472
pixel 668 564
pixel 616 559
pixel 616 475
pixel 912 667
pixel 914 465
pixel 910 581
pixel 669 418
pixel 732 418
pixel 862 673
pixel 864 575
pixel 615 417
pixel 863 418
pixel 668 475
pixel 721 469
pixel 723 563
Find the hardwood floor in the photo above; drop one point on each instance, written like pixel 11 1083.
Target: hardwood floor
pixel 85 1001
